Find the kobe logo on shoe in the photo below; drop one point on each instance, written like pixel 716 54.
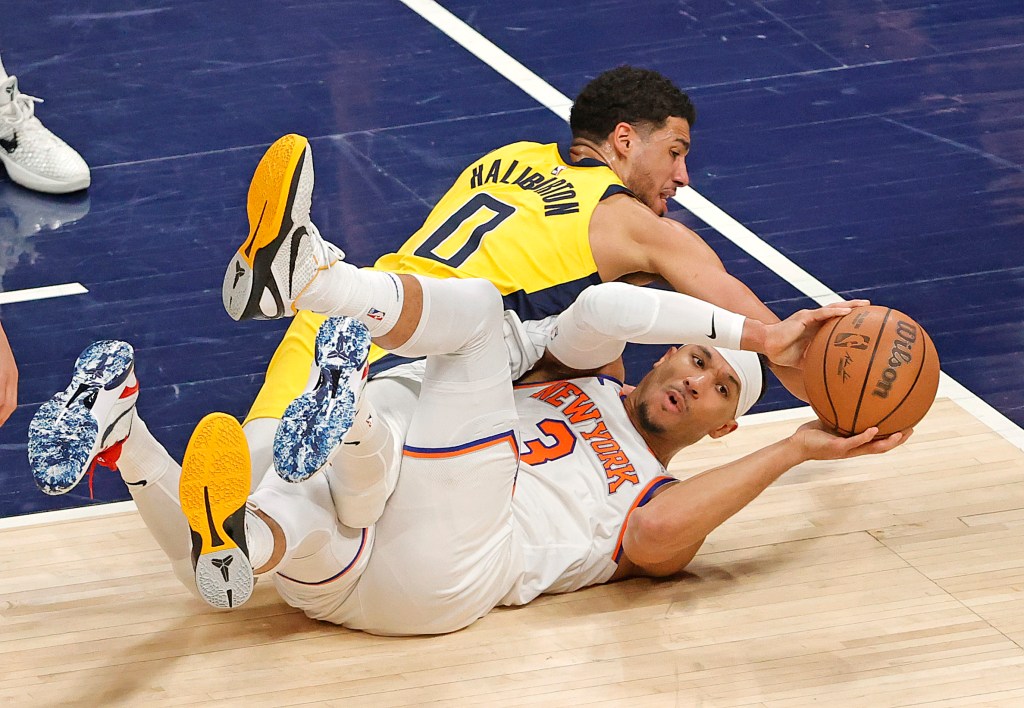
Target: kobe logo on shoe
pixel 222 564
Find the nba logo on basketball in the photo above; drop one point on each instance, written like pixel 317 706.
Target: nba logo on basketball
pixel 852 340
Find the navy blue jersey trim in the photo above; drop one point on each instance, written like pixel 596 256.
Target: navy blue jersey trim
pixel 563 152
pixel 616 189
pixel 549 301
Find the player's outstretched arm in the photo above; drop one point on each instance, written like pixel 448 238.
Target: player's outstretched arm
pixel 628 240
pixel 663 536
pixel 8 379
pixel 595 328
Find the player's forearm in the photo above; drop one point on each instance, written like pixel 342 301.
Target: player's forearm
pixel 793 379
pixel 686 512
pixel 594 329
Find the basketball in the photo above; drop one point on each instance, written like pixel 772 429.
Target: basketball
pixel 873 367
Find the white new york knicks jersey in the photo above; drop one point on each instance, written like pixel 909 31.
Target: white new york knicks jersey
pixel 584 467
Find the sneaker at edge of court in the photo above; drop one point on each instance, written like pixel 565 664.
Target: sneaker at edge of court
pixel 284 252
pixel 314 424
pixel 215 482
pixel 33 156
pixel 84 425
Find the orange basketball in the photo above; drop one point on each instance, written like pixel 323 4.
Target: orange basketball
pixel 875 366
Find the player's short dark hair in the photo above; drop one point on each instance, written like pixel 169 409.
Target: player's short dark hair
pixel 627 94
pixel 763 361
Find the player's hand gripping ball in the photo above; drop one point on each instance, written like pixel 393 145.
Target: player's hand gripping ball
pixel 874 366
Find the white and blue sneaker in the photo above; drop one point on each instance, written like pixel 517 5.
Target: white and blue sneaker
pixel 85 424
pixel 284 251
pixel 314 424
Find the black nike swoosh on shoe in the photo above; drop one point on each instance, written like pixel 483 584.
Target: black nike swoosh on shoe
pixel 350 443
pixel 713 334
pixel 115 422
pixel 135 484
pixel 296 239
pixel 215 538
pixel 10 145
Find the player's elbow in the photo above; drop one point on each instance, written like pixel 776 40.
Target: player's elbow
pixel 654 539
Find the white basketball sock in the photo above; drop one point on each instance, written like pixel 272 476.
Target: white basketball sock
pixel 259 432
pixel 143 460
pixel 152 476
pixel 259 538
pixel 372 297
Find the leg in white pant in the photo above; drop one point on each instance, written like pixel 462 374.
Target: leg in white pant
pixel 442 555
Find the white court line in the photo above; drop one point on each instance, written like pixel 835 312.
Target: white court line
pixel 548 96
pixel 42 293
pixel 53 517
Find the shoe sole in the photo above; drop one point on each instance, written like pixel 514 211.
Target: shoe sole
pixel 64 434
pixel 314 424
pixel 215 481
pixel 281 187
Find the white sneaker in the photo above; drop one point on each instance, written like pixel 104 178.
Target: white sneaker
pixel 314 424
pixel 284 251
pixel 34 157
pixel 84 425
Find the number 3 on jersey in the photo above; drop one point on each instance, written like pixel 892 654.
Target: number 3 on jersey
pixel 558 441
pixel 473 214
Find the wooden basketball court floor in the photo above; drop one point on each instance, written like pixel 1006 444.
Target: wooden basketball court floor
pixel 875 150
pixel 887 581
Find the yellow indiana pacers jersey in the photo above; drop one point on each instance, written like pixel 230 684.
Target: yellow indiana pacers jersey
pixel 518 217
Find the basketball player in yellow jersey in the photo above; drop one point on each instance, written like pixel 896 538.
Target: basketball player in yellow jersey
pixel 539 225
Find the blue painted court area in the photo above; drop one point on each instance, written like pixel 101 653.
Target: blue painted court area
pixel 881 150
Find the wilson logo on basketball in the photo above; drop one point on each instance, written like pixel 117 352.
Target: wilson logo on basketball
pixel 906 335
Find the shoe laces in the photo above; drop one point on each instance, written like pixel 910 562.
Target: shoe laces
pixel 325 252
pixel 22 106
pixel 106 458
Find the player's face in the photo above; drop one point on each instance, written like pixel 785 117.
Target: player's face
pixel 657 164
pixel 691 392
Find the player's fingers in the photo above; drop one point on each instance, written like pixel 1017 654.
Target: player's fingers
pixel 835 309
pixel 855 441
pixel 865 444
pixel 876 447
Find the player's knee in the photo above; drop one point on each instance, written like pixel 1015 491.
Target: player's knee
pixel 483 300
pixel 481 304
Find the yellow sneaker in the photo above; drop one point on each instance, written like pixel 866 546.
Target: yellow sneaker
pixel 215 480
pixel 284 251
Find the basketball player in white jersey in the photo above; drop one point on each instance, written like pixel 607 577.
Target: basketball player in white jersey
pixel 501 495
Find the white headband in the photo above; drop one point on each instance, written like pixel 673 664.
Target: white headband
pixel 748 371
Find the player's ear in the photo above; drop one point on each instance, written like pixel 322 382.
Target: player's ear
pixel 622 138
pixel 723 430
pixel 667 355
